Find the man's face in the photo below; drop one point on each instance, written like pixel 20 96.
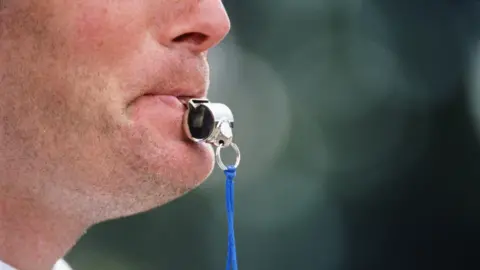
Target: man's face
pixel 88 105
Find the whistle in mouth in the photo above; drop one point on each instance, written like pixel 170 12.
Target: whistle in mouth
pixel 209 122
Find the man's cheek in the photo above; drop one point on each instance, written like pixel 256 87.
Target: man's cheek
pixel 106 34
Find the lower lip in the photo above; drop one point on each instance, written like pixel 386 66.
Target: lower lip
pixel 158 111
pixel 172 100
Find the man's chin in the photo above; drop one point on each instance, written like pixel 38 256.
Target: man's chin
pixel 186 165
pixel 187 171
pixel 196 166
pixel 153 181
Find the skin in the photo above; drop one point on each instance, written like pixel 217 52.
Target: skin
pixel 80 142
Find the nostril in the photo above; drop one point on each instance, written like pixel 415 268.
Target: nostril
pixel 192 37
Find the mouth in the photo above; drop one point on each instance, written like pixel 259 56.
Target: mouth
pixel 175 100
pixel 171 99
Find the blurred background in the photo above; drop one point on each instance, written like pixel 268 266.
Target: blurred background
pixel 359 125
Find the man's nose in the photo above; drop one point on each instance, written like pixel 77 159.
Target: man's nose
pixel 195 25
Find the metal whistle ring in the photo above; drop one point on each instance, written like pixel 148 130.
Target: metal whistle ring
pixel 218 156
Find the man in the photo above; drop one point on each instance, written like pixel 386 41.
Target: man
pixel 91 115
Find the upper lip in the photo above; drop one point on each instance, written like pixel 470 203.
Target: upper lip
pixel 184 95
pixel 185 79
pixel 179 93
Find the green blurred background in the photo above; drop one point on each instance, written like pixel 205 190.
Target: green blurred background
pixel 359 125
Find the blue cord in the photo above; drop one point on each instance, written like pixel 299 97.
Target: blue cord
pixel 230 173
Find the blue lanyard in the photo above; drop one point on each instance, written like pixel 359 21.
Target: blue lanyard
pixel 218 130
pixel 230 173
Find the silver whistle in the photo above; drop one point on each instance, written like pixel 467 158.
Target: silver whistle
pixel 211 123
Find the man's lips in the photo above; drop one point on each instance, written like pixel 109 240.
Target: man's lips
pixel 172 100
pixel 162 103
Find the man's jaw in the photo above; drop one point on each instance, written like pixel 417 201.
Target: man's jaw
pixel 34 238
